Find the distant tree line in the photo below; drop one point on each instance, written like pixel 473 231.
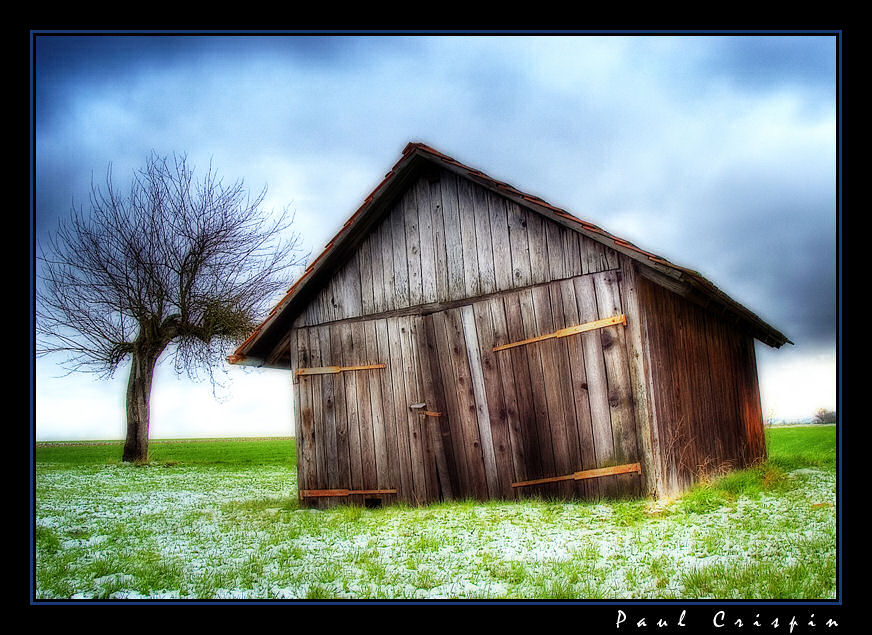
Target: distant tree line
pixel 825 416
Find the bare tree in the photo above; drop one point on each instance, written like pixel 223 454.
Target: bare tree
pixel 175 262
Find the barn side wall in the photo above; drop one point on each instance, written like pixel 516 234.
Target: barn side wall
pixel 704 397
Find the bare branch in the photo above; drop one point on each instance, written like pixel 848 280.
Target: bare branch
pixel 175 262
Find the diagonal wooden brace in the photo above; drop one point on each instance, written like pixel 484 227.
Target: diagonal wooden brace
pixel 578 476
pixel 569 330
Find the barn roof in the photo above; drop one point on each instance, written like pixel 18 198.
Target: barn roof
pixel 417 157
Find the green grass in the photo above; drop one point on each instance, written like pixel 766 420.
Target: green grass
pixel 220 519
pixel 185 452
pixel 802 447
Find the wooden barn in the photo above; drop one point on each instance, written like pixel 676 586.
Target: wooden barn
pixel 459 338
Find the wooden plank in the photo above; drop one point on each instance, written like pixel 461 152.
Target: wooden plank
pixel 752 407
pixel 482 412
pixel 458 451
pixel 555 250
pixel 364 409
pixel 523 384
pixel 563 382
pixel 434 393
pixel 612 258
pixel 376 259
pixel 352 295
pixel 579 389
pixel 551 355
pixel 706 372
pixel 502 250
pixel 413 248
pixel 537 378
pixel 669 358
pixel 351 357
pixel 298 417
pixel 648 443
pixel 315 493
pixel 453 238
pixel 341 416
pixel 569 330
pixel 367 301
pixel 377 419
pixel 304 432
pixel 471 443
pixel 484 242
pixel 332 370
pixel 466 213
pixel 684 429
pixel 424 415
pixel 617 374
pixel 590 255
pixel 538 247
pixel 662 360
pixel 584 474
pixel 493 393
pixel 386 241
pixel 519 245
pixel 413 421
pixel 401 259
pixel 387 397
pixel 597 383
pixel 401 402
pixel 434 461
pixel 440 247
pixel 597 257
pixel 318 429
pixel 328 411
pixel 427 241
pixel 506 374
pixel 572 253
pixel 723 425
pixel 312 313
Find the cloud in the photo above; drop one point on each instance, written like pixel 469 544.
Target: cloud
pixel 716 152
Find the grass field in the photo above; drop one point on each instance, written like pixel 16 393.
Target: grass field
pixel 219 519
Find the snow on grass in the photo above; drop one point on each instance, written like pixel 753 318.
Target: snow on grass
pixel 198 532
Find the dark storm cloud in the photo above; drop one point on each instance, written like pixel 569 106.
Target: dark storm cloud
pixel 804 62
pixel 717 153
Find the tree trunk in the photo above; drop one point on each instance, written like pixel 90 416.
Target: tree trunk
pixel 138 395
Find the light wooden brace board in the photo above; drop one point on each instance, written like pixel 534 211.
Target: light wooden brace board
pixel 315 493
pixel 329 370
pixel 578 476
pixel 569 330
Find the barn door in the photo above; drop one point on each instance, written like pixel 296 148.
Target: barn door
pixel 363 424
pixel 522 404
pixel 459 388
pixel 568 391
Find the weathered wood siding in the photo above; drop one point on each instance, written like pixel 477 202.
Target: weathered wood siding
pixel 540 410
pixel 354 429
pixel 705 399
pixel 452 270
pixel 448 239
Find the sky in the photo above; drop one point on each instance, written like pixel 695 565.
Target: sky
pixel 717 152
